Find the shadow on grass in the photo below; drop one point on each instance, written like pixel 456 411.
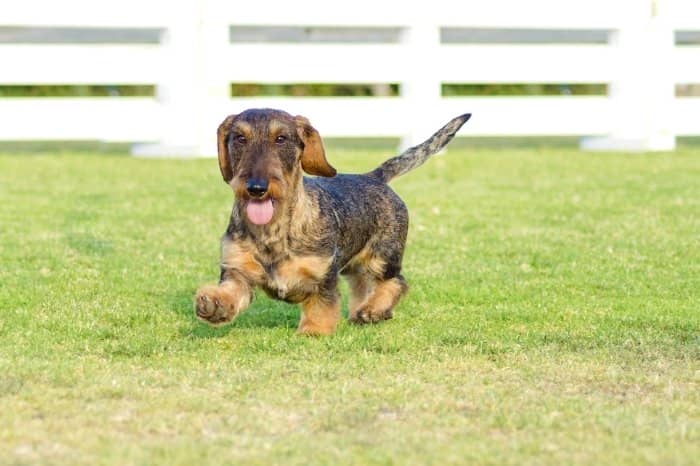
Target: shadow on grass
pixel 262 313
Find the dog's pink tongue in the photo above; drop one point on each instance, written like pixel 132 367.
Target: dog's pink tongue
pixel 259 212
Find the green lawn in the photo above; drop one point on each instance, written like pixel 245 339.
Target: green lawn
pixel 553 318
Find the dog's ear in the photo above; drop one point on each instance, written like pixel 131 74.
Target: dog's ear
pixel 222 143
pixel 313 159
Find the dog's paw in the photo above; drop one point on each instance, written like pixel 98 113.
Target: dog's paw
pixel 215 306
pixel 315 330
pixel 366 315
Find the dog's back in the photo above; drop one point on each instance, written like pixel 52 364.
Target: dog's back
pixel 365 211
pixel 368 214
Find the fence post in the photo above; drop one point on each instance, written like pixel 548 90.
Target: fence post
pixel 421 89
pixel 643 92
pixel 188 88
pixel 215 82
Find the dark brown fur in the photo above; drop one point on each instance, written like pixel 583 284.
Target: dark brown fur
pixel 352 225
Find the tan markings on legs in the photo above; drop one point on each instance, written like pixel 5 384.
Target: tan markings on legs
pixel 319 316
pixel 218 305
pixel 238 256
pixel 367 261
pixel 380 302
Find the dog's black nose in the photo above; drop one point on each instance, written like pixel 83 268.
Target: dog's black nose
pixel 256 187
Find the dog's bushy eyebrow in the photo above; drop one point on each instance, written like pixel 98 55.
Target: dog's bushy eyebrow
pixel 276 126
pixel 242 127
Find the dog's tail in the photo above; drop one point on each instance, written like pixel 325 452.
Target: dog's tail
pixel 417 155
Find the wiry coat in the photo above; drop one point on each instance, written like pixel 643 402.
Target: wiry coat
pixel 292 235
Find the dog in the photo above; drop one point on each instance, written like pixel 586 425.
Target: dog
pixel 293 235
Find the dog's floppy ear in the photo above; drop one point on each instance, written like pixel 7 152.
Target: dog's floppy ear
pixel 313 159
pixel 222 144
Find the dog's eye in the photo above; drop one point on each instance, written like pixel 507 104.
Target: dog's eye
pixel 281 139
pixel 240 139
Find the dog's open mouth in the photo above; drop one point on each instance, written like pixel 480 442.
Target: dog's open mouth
pixel 260 212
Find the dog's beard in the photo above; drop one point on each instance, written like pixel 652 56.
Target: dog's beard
pixel 260 212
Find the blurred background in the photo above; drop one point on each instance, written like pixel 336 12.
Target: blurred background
pixel 160 76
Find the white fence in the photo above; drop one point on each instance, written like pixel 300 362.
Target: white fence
pixel 195 62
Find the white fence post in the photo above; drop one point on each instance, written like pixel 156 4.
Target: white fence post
pixel 188 88
pixel 643 91
pixel 421 89
pixel 216 86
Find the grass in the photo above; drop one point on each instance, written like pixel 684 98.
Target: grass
pixel 554 318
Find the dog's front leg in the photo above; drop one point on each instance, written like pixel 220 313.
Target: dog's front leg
pixel 320 314
pixel 220 304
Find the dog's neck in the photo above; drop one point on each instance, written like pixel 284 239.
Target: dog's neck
pixel 293 214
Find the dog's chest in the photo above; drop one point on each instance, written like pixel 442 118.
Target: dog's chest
pixel 295 278
pixel 287 276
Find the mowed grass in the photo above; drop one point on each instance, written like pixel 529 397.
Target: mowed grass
pixel 553 318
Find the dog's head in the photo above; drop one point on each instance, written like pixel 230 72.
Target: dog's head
pixel 262 153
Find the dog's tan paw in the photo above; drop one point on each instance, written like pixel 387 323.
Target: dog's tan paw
pixel 215 305
pixel 366 315
pixel 319 316
pixel 315 330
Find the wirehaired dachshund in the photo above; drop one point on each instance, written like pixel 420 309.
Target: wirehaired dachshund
pixel 293 235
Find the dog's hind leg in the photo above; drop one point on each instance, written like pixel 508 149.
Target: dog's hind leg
pixel 361 284
pixel 376 284
pixel 380 301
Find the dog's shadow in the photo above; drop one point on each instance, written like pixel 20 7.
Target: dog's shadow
pixel 262 313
